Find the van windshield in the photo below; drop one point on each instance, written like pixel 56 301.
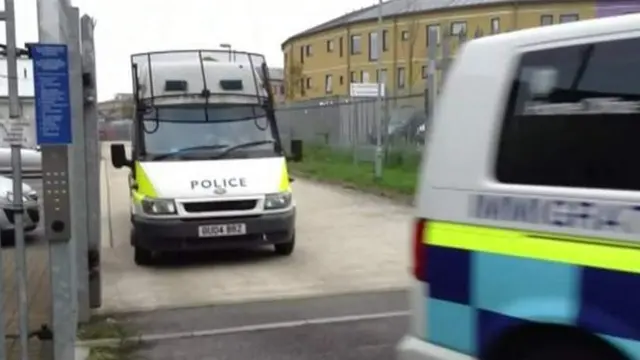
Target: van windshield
pixel 182 128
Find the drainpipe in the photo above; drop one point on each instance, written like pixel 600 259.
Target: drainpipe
pixel 516 5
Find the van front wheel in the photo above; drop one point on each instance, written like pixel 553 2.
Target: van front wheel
pixel 142 256
pixel 286 249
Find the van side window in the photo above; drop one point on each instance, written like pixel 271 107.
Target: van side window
pixel 573 118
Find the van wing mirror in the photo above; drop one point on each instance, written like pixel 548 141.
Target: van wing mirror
pixel 296 151
pixel 119 156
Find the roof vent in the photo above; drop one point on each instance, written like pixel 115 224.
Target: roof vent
pixel 231 85
pixel 175 85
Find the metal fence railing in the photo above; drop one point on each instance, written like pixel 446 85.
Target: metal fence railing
pixel 351 125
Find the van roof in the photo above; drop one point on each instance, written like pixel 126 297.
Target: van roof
pixel 583 28
pixel 181 76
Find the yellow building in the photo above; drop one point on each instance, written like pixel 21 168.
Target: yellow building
pixel 325 59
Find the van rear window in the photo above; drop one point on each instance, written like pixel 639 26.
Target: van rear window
pixel 573 118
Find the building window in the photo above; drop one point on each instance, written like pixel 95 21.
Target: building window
pixel 385 40
pixel 373 46
pixel 569 18
pixel 364 76
pixel 401 78
pixel 356 46
pixel 381 76
pixel 282 90
pixel 354 77
pixel 495 25
pixel 405 35
pixel 302 55
pixel 309 50
pixel 546 20
pixel 341 80
pixel 330 45
pixel 424 72
pixel 458 28
pixel 308 83
pixel 572 134
pixel 434 28
pixel 302 84
pixel 328 84
pixel 341 46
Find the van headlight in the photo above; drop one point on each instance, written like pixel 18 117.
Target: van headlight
pixel 159 206
pixel 32 195
pixel 9 196
pixel 277 201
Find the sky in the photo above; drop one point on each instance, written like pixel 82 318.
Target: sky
pixel 125 27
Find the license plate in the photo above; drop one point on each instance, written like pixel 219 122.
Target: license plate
pixel 222 230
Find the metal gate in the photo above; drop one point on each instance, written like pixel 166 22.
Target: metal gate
pixel 48 284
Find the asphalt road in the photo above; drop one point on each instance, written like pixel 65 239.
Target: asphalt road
pixel 346 327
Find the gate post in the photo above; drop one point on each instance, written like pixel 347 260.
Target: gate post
pixel 93 155
pixel 53 29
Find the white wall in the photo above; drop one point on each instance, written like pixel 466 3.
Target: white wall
pixel 25 78
pixel 28 113
pixel 26 91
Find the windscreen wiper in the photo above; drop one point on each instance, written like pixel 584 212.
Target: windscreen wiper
pixel 242 146
pixel 188 149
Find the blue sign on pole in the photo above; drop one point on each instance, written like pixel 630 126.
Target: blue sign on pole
pixel 51 85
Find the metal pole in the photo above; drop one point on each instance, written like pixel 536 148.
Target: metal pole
pixel 77 167
pixel 432 77
pixel 53 29
pixel 379 151
pixel 93 159
pixel 16 165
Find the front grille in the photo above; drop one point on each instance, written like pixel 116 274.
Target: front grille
pixel 9 214
pixel 211 206
pixel 34 214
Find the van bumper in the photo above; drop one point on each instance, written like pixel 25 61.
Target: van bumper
pixel 182 234
pixel 412 348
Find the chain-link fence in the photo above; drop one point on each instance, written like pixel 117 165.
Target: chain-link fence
pixel 351 124
pixel 116 130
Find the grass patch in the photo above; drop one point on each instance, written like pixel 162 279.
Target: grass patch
pixel 127 351
pixel 102 327
pixel 325 164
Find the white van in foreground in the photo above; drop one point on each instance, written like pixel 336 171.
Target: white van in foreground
pixel 527 229
pixel 207 169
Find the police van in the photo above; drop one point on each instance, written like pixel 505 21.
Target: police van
pixel 527 232
pixel 207 168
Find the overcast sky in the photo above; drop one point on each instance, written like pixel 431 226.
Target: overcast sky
pixel 129 26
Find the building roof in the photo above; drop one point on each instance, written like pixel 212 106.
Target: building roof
pixel 399 7
pixel 25 79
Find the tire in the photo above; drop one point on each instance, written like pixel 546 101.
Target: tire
pixel 286 249
pixel 142 256
pixel 559 346
pixel 570 351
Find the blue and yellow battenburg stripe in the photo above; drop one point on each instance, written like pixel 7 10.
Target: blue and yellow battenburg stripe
pixel 483 280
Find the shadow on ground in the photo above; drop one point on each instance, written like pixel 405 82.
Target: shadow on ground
pixel 219 257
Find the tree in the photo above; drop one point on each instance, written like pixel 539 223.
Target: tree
pixel 292 79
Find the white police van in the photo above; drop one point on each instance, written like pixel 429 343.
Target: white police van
pixel 527 230
pixel 208 168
